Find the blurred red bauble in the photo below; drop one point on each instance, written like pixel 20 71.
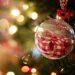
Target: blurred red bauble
pixel 54 39
pixel 12 47
pixel 25 69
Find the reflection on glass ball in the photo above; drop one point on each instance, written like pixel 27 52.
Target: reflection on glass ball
pixel 54 39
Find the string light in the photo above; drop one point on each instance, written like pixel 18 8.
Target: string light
pixel 25 6
pixel 25 69
pixel 12 29
pixel 34 15
pixel 25 62
pixel 53 73
pixel 34 74
pixel 20 18
pixel 62 69
pixel 33 70
pixel 15 12
pixel 10 73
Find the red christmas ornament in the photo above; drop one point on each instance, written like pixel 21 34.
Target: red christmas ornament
pixel 54 39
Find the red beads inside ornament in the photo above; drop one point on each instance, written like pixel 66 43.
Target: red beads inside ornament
pixel 54 39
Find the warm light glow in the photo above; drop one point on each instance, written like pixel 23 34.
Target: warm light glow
pixel 33 70
pixel 34 15
pixel 15 12
pixel 20 18
pixel 13 43
pixel 10 73
pixel 4 24
pixel 25 6
pixel 58 17
pixel 25 62
pixel 35 29
pixel 34 74
pixel 1 73
pixel 53 73
pixel 12 29
pixel 25 69
pixel 40 29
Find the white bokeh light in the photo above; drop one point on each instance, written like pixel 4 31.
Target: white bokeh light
pixel 10 73
pixel 12 29
pixel 25 6
pixel 33 70
pixel 34 15
pixel 15 12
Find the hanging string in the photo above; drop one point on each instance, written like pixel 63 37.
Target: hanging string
pixel 63 4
